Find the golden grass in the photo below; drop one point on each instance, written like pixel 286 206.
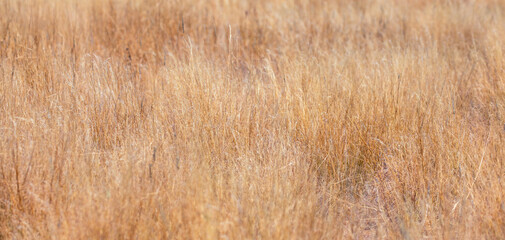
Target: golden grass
pixel 229 119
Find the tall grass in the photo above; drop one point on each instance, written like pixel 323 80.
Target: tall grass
pixel 297 119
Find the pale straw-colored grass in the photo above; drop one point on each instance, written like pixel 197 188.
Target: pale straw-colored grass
pixel 297 119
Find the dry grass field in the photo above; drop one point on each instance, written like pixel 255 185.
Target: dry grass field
pixel 242 119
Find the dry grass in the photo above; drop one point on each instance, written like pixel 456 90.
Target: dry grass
pixel 296 119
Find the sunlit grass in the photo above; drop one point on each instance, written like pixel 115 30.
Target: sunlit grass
pixel 145 119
